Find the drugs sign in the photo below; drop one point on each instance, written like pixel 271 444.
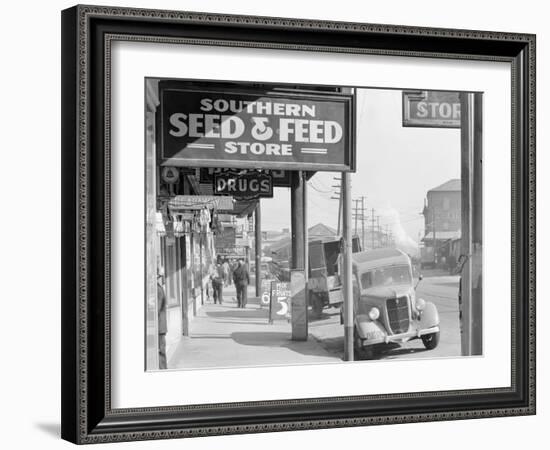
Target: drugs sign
pixel 280 178
pixel 243 186
pixel 256 128
pixel 435 109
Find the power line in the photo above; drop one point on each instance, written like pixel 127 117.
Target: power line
pixel 322 184
pixel 319 186
pixel 315 188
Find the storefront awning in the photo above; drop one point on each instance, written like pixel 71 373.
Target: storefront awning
pixel 195 202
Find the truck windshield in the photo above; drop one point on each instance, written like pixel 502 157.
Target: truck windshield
pixel 386 276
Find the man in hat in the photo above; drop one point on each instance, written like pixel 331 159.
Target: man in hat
pixel 241 280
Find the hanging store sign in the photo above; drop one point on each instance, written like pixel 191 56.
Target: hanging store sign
pixel 225 239
pixel 431 109
pixel 231 252
pixel 243 242
pixel 198 202
pixel 280 178
pixel 170 174
pixel 243 186
pixel 252 129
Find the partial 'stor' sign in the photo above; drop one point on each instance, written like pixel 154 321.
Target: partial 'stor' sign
pixel 431 109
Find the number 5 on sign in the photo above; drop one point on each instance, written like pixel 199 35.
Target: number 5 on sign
pixel 279 305
pixel 284 306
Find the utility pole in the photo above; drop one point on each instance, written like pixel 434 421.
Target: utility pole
pixel 378 230
pixel 372 228
pixel 471 307
pixel 360 216
pixel 339 198
pixel 362 222
pixel 356 215
pixel 258 247
pixel 433 234
pixel 346 260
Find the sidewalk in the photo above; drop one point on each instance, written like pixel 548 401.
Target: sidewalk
pixel 228 336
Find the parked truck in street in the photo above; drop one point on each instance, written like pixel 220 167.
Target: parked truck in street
pixel 324 284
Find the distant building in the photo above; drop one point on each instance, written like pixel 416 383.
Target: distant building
pixel 442 209
pixel 320 231
pixel 442 222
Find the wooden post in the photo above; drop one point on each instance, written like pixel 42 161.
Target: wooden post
pixel 306 250
pixel 346 259
pixel 200 268
pixel 339 210
pixel 362 223
pixel 184 292
pixel 477 229
pixel 298 233
pixel 258 246
pixel 471 230
pixel 297 219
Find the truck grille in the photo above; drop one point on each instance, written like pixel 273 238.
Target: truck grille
pixel 398 314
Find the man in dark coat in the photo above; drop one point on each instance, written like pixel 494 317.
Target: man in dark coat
pixel 241 280
pixel 162 325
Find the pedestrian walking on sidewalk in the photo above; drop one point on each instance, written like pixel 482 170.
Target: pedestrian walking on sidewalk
pixel 226 277
pixel 217 283
pixel 232 266
pixel 241 280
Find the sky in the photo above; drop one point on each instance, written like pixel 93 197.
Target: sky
pixel 396 166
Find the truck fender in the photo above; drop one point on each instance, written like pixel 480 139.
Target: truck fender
pixel 430 316
pixel 365 326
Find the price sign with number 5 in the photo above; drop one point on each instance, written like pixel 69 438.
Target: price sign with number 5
pixel 279 306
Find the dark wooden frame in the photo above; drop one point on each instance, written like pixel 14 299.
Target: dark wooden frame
pixel 87 32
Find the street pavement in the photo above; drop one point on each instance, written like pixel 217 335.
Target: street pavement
pixel 228 336
pixel 442 290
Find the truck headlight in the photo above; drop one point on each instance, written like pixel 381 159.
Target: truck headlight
pixel 420 304
pixel 374 313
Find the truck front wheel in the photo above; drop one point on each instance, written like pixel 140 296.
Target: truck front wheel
pixel 431 340
pixel 361 352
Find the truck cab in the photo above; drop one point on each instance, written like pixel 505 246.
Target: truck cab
pixel 324 284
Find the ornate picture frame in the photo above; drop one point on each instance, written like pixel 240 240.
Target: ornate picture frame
pixel 88 33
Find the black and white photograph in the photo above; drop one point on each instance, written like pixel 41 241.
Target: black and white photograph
pixel 293 224
pixel 276 224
